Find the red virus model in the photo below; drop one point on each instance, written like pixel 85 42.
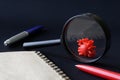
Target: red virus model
pixel 86 47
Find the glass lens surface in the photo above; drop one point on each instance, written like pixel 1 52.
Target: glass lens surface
pixel 80 27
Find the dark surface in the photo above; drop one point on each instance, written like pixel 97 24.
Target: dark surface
pixel 16 16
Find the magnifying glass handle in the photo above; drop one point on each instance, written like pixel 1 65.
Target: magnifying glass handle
pixel 42 43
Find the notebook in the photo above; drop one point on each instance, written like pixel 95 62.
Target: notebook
pixel 28 65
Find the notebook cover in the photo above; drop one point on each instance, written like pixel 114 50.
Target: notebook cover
pixel 28 65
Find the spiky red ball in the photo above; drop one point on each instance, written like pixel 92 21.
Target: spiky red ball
pixel 86 47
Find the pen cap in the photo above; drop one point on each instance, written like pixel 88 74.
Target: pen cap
pixel 82 30
pixel 35 29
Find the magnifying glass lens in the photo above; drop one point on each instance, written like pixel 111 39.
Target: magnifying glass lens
pixel 85 37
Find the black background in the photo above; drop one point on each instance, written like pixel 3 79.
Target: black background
pixel 19 15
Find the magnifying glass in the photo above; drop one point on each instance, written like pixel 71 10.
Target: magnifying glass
pixel 86 37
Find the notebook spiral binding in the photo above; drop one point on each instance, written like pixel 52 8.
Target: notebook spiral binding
pixel 56 68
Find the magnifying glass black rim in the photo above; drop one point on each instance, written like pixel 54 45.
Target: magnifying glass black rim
pixel 100 22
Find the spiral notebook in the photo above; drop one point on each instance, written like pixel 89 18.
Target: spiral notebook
pixel 28 65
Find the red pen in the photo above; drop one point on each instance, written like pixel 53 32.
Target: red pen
pixel 106 74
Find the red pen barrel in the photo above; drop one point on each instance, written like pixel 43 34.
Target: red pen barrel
pixel 106 74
